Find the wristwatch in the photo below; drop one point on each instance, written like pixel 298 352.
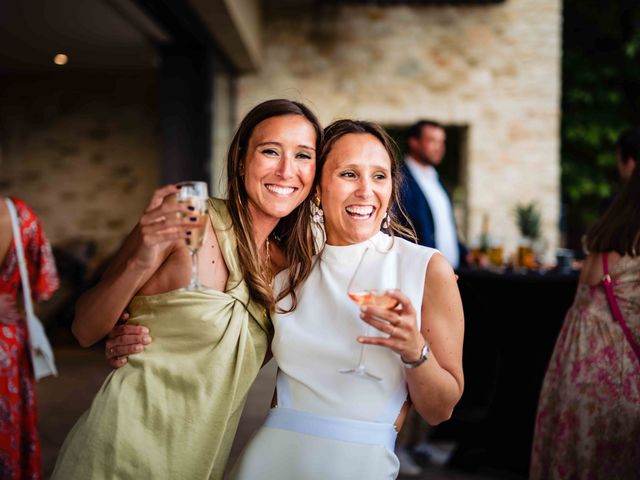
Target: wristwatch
pixel 424 355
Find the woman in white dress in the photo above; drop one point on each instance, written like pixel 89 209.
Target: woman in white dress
pixel 327 424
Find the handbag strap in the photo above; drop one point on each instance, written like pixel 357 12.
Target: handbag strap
pixel 613 304
pixel 22 264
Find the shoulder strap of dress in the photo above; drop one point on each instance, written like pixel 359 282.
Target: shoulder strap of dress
pixel 22 264
pixel 607 283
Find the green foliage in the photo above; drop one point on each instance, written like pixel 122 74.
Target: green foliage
pixel 601 97
pixel 528 220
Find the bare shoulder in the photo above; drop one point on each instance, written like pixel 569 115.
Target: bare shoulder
pixel 592 268
pixel 438 270
pixel 440 286
pixel 441 304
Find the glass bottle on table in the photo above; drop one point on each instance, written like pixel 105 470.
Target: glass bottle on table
pixel 195 195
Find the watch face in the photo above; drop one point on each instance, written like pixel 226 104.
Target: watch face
pixel 424 353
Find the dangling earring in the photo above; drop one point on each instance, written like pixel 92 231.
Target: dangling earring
pixel 317 215
pixel 385 221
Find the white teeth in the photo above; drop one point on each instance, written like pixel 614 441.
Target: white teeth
pixel 360 210
pixel 280 190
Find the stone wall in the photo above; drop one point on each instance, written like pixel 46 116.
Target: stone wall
pixel 82 150
pixel 494 69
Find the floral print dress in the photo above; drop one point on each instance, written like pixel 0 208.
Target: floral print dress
pixel 19 442
pixel 588 422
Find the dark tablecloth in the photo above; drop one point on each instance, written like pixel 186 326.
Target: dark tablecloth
pixel 511 324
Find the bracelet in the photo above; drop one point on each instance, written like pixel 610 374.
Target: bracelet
pixel 424 355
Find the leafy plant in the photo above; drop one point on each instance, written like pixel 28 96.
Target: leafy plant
pixel 528 220
pixel 600 98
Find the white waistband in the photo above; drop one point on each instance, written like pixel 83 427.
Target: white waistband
pixel 336 428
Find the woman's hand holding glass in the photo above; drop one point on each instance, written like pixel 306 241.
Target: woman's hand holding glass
pixel 399 324
pixel 164 221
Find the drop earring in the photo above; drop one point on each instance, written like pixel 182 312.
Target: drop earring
pixel 317 215
pixel 385 221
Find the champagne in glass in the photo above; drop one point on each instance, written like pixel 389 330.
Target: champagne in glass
pixel 373 297
pixel 366 288
pixel 194 194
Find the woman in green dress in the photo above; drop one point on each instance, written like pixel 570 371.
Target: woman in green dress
pixel 172 411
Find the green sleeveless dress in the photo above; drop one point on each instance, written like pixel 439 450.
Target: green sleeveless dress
pixel 172 411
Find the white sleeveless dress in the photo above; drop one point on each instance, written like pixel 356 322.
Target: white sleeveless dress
pixel 329 425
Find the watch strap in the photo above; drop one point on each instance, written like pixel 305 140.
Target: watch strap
pixel 424 355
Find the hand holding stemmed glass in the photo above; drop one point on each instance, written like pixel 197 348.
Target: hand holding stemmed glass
pixel 175 213
pixel 368 289
pixel 387 310
pixel 163 222
pixel 399 324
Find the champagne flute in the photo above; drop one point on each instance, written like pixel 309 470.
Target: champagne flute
pixel 367 287
pixel 194 194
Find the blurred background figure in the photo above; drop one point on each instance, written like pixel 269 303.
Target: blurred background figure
pixel 424 197
pixel 588 421
pixel 627 154
pixel 19 440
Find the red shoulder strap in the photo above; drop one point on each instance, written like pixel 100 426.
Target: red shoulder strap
pixel 607 283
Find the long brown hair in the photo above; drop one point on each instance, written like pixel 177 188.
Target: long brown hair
pixel 339 129
pixel 618 230
pixel 293 232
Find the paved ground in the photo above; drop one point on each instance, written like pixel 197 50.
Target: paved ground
pixel 62 400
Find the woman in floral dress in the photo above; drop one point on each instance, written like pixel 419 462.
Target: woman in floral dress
pixel 19 442
pixel 588 423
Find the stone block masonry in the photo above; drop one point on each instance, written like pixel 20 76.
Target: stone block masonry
pixel 492 68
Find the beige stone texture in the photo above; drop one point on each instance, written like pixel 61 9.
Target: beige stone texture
pixel 82 150
pixel 492 68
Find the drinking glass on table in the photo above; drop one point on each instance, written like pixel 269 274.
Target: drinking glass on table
pixel 368 287
pixel 194 194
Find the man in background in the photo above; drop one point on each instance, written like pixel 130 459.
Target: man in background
pixel 423 197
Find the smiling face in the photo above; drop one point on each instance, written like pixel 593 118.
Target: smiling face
pixel 279 166
pixel 355 189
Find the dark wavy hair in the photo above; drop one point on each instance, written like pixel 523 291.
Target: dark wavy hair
pixel 396 218
pixel 618 229
pixel 628 145
pixel 293 232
